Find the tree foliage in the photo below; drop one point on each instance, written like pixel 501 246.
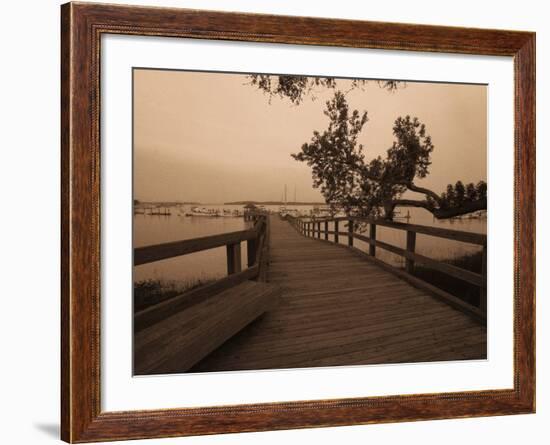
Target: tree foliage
pixel 296 88
pixel 348 182
pixel 334 156
pixel 369 188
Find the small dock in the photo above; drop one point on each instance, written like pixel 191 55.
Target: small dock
pixel 339 307
pixel 322 303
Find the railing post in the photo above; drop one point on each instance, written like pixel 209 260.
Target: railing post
pixel 350 233
pixel 319 230
pixel 251 246
pixel 411 243
pixel 483 290
pixel 326 230
pixel 336 232
pixel 233 258
pixel 372 236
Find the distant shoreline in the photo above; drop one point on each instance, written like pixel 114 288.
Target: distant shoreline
pixel 279 203
pixel 166 203
pixel 272 203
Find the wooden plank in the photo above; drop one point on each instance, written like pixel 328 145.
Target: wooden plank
pixel 457 272
pixel 370 298
pixel 148 254
pixel 264 252
pixel 338 309
pixel 411 243
pixel 375 349
pixel 456 235
pixel 359 313
pixel 372 234
pixel 483 290
pixel 433 290
pixel 177 343
pixel 233 258
pixel 392 351
pixel 251 248
pixel 161 311
pixel 294 330
pixel 377 345
pixel 276 340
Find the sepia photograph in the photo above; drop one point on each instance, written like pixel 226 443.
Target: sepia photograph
pixel 286 221
pixel 277 221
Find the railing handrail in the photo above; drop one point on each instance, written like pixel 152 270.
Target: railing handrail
pixel 257 248
pixel 311 227
pixel 157 252
pixel 456 235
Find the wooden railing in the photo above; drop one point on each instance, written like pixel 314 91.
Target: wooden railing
pixel 232 241
pixel 319 228
pixel 257 248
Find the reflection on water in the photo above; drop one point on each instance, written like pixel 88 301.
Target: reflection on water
pixel 208 264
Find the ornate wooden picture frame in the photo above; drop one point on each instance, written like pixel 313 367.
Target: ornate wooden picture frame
pixel 82 26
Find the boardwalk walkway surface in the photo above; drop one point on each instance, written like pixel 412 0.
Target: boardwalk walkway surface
pixel 339 308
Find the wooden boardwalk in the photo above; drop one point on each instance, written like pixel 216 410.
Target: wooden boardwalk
pixel 337 308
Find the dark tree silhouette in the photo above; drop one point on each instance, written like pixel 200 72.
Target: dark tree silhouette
pixel 376 187
pixel 296 88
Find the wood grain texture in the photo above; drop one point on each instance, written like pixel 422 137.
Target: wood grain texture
pixel 82 26
pixel 440 232
pixel 148 254
pixel 431 289
pixel 160 311
pixel 410 255
pixel 180 341
pixel 338 308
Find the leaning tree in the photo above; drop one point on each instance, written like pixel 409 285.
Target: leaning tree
pixel 370 188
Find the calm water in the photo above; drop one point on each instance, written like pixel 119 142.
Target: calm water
pixel 205 265
pixel 211 264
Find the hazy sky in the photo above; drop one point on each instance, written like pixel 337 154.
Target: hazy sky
pixel 210 137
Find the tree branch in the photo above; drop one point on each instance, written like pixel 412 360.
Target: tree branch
pixel 425 191
pixel 467 207
pixel 411 203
